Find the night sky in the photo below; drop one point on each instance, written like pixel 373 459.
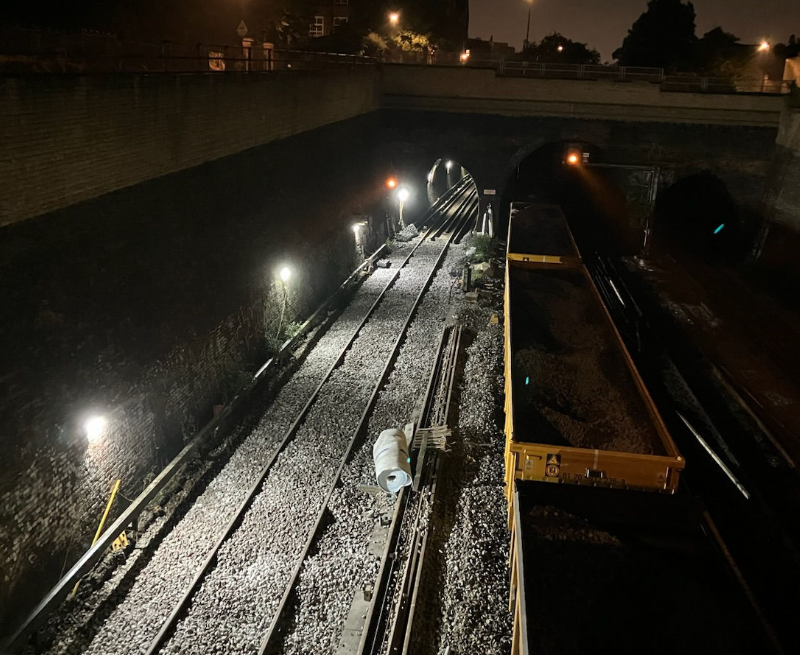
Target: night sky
pixel 603 25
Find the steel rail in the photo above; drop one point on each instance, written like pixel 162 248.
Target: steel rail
pixel 397 631
pixel 169 623
pixel 466 228
pixel 92 556
pixel 460 210
pixel 374 616
pixel 269 642
pixel 177 611
pixel 402 631
pixel 446 201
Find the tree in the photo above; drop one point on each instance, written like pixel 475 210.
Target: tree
pixel 402 45
pixel 719 54
pixel 663 36
pixel 444 21
pixel 556 47
pixel 788 50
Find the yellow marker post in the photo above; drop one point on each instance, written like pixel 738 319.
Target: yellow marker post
pixel 100 527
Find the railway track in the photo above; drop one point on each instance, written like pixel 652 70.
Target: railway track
pixel 227 592
pixel 290 618
pixel 396 610
pixel 741 506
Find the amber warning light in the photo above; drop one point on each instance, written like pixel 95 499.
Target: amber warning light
pixel 573 159
pixel 391 183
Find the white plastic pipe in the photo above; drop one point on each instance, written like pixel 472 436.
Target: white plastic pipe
pixel 392 461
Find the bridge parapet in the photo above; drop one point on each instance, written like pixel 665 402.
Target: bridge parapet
pixel 477 90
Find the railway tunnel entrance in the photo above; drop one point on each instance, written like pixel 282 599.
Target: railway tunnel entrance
pixel 631 208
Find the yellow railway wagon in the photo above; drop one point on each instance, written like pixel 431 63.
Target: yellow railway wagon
pixel 606 571
pixel 577 411
pixel 539 233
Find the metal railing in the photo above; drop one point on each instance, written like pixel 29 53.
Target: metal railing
pixel 25 51
pixel 694 84
pixel 90 54
pixel 681 82
pixel 580 71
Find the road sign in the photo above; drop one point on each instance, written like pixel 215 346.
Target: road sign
pixel 242 29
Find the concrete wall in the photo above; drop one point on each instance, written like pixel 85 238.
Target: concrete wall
pixel 780 240
pixel 70 138
pixel 483 91
pixel 784 197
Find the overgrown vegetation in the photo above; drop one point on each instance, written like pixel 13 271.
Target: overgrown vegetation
pixel 484 247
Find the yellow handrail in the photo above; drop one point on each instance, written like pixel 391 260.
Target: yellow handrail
pixel 102 523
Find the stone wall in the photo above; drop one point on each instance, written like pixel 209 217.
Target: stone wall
pixel 149 305
pixel 492 146
pixel 70 138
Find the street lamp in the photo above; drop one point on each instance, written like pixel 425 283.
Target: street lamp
pixel 528 30
pixel 560 48
pixel 394 17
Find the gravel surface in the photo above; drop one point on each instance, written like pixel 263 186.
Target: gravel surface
pixel 342 566
pixel 540 231
pixel 136 619
pixel 580 391
pixel 237 598
pixel 467 607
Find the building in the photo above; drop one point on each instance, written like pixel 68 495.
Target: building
pixel 328 16
pixel 489 50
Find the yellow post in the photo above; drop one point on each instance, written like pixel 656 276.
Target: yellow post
pixel 97 534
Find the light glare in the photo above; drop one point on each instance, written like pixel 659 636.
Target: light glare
pixel 394 17
pixel 402 194
pixel 572 159
pixel 95 428
pixel 391 183
pixel 285 274
pixel 763 46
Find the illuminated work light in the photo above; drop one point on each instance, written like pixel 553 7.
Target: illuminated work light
pixel 95 428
